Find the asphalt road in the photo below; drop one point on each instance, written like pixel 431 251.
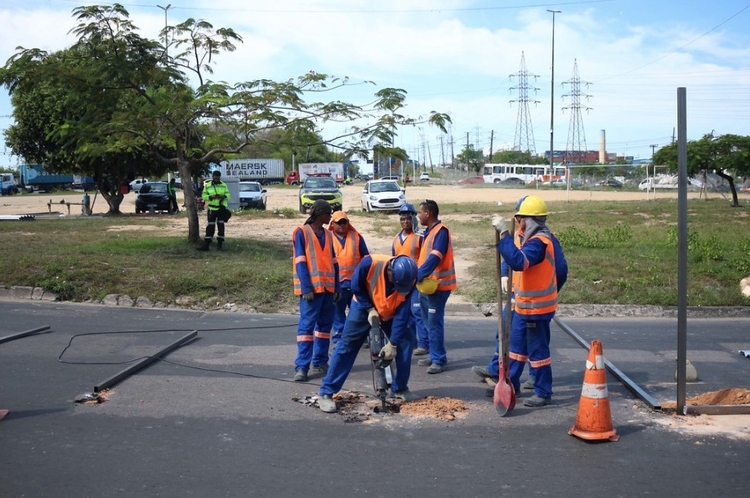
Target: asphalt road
pixel 185 429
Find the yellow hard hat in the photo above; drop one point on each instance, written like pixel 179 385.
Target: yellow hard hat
pixel 532 206
pixel 427 286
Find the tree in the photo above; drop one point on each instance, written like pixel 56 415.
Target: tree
pixel 473 158
pixel 183 128
pixel 516 157
pixel 726 155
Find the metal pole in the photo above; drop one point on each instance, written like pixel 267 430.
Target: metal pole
pixel 166 40
pixel 23 334
pixel 682 234
pixel 552 96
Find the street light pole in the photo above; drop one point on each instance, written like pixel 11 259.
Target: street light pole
pixel 166 44
pixel 552 98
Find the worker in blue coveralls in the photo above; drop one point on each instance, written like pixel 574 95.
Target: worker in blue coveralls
pixel 316 282
pixel 492 370
pixel 382 286
pixel 535 288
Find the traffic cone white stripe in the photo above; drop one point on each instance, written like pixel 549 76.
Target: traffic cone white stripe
pixel 598 365
pixel 595 391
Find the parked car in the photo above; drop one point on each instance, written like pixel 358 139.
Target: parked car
pixel 382 195
pixel 513 181
pixel 136 185
pixel 252 195
pixel 320 187
pixel 610 182
pixel 424 177
pixel 152 196
pixel 471 180
pixel 392 178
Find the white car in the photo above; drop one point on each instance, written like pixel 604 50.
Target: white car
pixel 136 185
pixel 424 177
pixel 382 195
pixel 252 195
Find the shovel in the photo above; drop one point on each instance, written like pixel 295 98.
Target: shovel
pixel 505 395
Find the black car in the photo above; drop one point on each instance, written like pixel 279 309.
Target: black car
pixel 611 182
pixel 514 181
pixel 152 197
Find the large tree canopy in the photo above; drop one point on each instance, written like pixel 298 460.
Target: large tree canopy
pixel 726 155
pixel 137 99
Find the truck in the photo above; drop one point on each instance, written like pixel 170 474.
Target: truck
pixel 659 182
pixel 35 177
pixel 264 171
pixel 337 171
pixel 8 184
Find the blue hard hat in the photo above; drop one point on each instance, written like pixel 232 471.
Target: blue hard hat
pixel 407 208
pixel 404 273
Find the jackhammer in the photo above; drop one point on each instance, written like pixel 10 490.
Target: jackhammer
pixel 381 369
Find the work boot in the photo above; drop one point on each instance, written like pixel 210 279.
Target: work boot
pixel 327 404
pixel 537 401
pixel 529 384
pixel 321 369
pixel 220 245
pixel 405 395
pixel 435 369
pixel 300 375
pixel 205 246
pixel 421 351
pixel 424 362
pixel 483 373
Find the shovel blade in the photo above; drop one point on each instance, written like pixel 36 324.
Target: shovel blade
pixel 505 397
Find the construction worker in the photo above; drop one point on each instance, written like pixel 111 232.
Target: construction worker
pixel 316 281
pixel 408 243
pixel 382 286
pixel 492 370
pixel 350 248
pixel 435 262
pixel 535 289
pixel 172 194
pixel 216 197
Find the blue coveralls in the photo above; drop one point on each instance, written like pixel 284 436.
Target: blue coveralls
pixel 423 340
pixel 530 335
pixel 433 306
pixel 316 316
pixel 346 294
pixel 400 331
pixel 561 271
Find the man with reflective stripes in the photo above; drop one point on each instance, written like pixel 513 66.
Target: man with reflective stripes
pixel 316 281
pixel 535 289
pixel 435 261
pixel 350 248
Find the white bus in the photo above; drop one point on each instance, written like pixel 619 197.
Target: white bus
pixel 527 173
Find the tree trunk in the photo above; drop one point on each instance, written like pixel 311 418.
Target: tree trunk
pixel 190 205
pixel 735 200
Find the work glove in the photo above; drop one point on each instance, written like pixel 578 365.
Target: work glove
pixel 373 318
pixel 336 297
pixel 388 352
pixel 308 296
pixel 504 284
pixel 499 223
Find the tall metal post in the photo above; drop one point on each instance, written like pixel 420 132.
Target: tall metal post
pixel 682 246
pixel 552 96
pixel 166 23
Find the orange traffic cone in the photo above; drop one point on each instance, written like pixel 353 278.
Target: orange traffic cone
pixel 594 419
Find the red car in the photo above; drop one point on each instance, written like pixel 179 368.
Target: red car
pixel 471 180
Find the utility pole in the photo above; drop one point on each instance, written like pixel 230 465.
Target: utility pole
pixel 524 137
pixel 166 23
pixel 576 150
pixel 552 96
pixel 492 140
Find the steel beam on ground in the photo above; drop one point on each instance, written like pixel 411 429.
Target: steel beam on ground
pixel 619 374
pixel 23 334
pixel 144 362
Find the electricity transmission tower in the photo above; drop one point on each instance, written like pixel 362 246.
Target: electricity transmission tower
pixel 575 150
pixel 524 138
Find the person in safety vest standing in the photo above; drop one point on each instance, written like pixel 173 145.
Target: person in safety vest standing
pixel 316 281
pixel 408 243
pixel 381 286
pixel 350 248
pixel 216 196
pixel 492 370
pixel 435 267
pixel 172 194
pixel 535 287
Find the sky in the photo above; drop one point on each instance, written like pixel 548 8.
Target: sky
pixel 464 58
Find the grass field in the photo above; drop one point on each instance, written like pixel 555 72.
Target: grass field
pixel 618 252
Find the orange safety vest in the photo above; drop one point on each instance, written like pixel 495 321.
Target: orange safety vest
pixel 386 305
pixel 409 247
pixel 445 271
pixel 347 255
pixel 319 262
pixel 535 287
